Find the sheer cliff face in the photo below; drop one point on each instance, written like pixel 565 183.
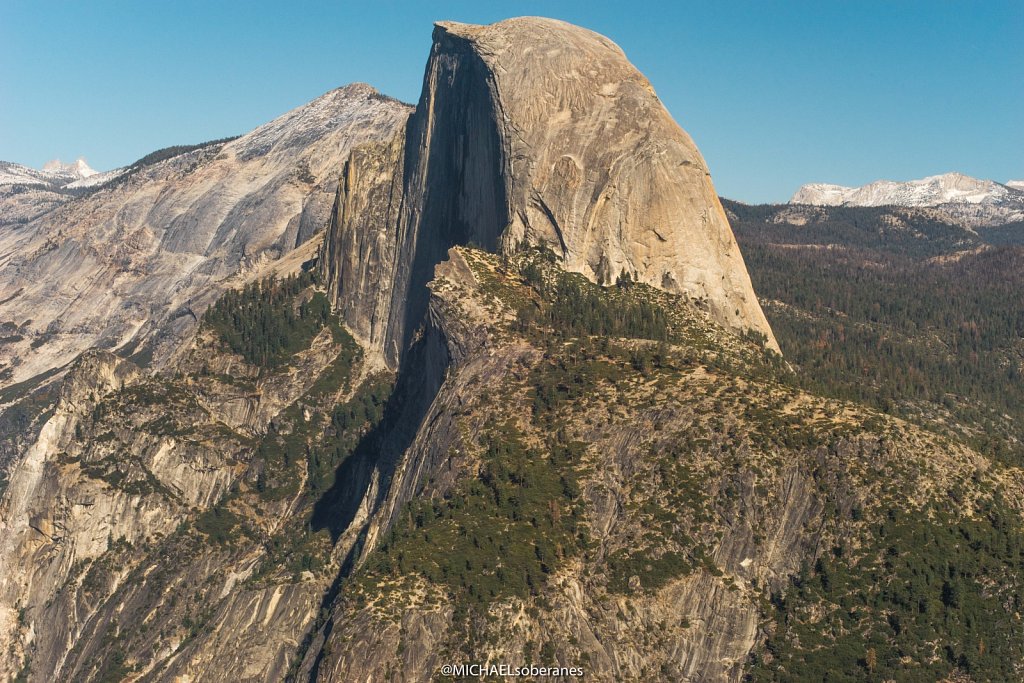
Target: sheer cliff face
pixel 402 204
pixel 533 131
pixel 360 254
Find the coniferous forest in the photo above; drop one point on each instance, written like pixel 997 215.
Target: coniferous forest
pixel 899 310
pixel 923 320
pixel 264 323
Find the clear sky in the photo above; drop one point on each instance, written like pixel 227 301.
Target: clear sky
pixel 774 93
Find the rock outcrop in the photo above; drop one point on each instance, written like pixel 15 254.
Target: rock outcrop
pixel 531 132
pixel 98 537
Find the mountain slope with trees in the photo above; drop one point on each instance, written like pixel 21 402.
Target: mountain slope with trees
pixel 898 310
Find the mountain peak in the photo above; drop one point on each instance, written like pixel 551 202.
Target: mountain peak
pixel 930 191
pixel 337 112
pixel 78 168
pixel 528 27
pixel 580 122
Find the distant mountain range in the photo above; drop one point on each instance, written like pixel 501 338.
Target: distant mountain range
pixel 55 174
pixel 971 201
pixel 27 193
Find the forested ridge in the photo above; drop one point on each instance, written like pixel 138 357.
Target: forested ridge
pixel 905 312
pixel 912 319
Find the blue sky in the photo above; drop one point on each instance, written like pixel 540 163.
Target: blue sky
pixel 775 94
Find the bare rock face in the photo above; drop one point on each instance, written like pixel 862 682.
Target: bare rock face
pixel 598 170
pixel 94 524
pixel 535 132
pixel 360 259
pixel 138 259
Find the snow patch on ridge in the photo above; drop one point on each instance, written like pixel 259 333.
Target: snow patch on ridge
pixel 54 174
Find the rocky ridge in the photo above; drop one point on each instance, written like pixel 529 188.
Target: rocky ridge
pixel 132 263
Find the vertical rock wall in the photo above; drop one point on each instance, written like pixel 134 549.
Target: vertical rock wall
pixel 531 131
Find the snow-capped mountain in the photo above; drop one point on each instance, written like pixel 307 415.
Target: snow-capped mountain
pixel 78 169
pixel 54 174
pixel 16 174
pixel 975 202
pixel 931 191
pixel 26 193
pixel 96 179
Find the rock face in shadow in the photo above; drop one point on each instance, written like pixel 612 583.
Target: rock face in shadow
pixel 532 132
pixel 401 205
